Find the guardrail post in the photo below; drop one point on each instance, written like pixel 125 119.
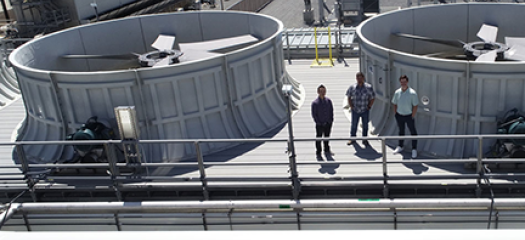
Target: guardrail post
pixel 330 46
pixel 26 222
pixel 479 166
pixel 316 53
pixel 25 170
pixel 132 155
pixel 294 175
pixel 202 172
pixel 117 222
pixel 338 44
pixel 385 168
pixel 113 169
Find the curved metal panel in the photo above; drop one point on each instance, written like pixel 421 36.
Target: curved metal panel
pixel 234 95
pixel 465 97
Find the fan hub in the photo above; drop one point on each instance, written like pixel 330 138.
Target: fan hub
pixel 149 59
pixel 475 49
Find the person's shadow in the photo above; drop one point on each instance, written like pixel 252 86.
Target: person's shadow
pixel 417 168
pixel 368 152
pixel 329 166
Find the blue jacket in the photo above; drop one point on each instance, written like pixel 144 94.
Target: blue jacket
pixel 322 111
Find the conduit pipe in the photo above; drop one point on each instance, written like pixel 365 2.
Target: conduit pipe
pixel 149 207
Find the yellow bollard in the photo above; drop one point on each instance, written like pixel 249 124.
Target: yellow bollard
pixel 315 38
pixel 330 47
pixel 323 62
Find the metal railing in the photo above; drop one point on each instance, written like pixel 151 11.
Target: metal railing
pixel 300 43
pixel 267 214
pixel 119 172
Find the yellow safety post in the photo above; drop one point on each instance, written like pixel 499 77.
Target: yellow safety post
pixel 330 47
pixel 323 62
pixel 316 53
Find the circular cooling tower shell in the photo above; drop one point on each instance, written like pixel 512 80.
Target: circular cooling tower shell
pixel 234 95
pixel 460 97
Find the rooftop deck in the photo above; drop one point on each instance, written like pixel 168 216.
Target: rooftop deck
pixel 260 169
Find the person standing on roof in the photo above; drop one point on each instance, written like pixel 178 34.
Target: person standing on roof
pixel 405 102
pixel 361 97
pixel 323 115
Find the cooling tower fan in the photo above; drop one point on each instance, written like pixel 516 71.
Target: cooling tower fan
pixel 487 50
pixel 165 53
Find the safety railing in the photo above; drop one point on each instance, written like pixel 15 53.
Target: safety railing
pixel 428 2
pixel 118 171
pixel 311 214
pixel 305 42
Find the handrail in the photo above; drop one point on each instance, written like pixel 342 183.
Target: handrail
pixel 268 212
pixel 34 173
pixel 252 140
pixel 184 206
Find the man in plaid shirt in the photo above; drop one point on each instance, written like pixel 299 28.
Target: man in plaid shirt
pixel 360 99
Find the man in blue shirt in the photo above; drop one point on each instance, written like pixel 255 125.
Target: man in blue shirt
pixel 405 102
pixel 323 115
pixel 361 97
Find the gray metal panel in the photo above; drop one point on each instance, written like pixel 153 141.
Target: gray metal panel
pixel 390 23
pixel 454 28
pixel 504 16
pixel 154 25
pixel 40 53
pixel 112 37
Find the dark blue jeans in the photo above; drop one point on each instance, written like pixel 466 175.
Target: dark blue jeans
pixel 409 121
pixel 322 131
pixel 355 120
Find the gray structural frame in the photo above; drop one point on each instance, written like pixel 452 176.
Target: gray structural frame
pixel 465 97
pixel 503 213
pixel 234 95
pixel 471 234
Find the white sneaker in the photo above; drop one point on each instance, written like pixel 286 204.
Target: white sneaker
pixel 398 149
pixel 414 153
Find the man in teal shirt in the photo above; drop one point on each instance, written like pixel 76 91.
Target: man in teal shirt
pixel 405 102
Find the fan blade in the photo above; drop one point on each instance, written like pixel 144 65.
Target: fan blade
pixel 453 55
pixel 512 41
pixel 516 52
pixel 488 33
pixel 193 54
pixel 164 62
pixel 118 57
pixel 219 44
pixel 453 43
pixel 164 42
pixel 446 53
pixel 488 56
